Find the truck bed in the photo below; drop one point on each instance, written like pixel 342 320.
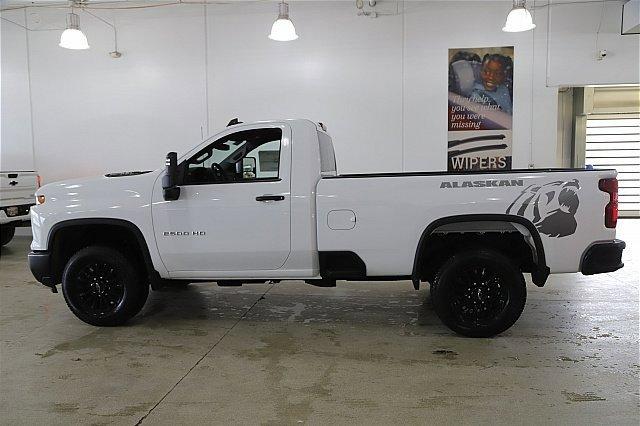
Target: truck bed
pixel 392 210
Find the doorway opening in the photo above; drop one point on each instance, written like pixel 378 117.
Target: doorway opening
pixel 599 127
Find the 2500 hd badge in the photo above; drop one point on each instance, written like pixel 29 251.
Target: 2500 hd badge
pixel 184 233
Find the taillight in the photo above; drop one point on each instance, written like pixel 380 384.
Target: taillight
pixel 610 186
pixel 38 181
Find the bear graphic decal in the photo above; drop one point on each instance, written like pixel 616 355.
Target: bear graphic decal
pixel 551 207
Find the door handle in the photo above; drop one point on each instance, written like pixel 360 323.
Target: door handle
pixel 270 198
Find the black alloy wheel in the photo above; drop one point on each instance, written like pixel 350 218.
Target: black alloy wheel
pixel 479 296
pixel 102 287
pixel 97 289
pixel 479 293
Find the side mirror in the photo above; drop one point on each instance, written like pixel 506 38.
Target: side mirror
pixel 249 170
pixel 171 191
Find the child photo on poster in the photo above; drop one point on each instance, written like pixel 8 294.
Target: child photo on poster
pixel 480 112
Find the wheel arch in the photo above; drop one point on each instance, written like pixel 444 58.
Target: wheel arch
pixel 58 230
pixel 540 271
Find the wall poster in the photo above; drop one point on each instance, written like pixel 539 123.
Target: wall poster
pixel 480 108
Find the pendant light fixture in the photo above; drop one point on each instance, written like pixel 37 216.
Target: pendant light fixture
pixel 72 37
pixel 283 29
pixel 519 19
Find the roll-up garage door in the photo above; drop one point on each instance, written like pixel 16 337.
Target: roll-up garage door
pixel 613 141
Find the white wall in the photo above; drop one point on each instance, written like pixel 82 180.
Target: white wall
pixel 16 148
pixel 379 84
pixel 344 70
pixel 572 46
pixel 93 113
pixel 429 33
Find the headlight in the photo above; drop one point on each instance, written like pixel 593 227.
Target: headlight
pixel 40 199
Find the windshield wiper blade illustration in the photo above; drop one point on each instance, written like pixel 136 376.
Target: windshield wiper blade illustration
pixel 457 152
pixel 457 142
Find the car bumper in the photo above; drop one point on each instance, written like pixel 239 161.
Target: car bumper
pixel 603 257
pixel 40 265
pixel 15 213
pixel 17 220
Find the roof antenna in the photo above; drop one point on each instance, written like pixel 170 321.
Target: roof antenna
pixel 233 122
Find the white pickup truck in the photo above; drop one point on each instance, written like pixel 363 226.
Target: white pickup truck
pixel 17 195
pixel 263 202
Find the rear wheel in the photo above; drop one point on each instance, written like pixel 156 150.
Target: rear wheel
pixel 479 293
pixel 7 231
pixel 102 287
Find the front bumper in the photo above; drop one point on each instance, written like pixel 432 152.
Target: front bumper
pixel 603 257
pixel 41 268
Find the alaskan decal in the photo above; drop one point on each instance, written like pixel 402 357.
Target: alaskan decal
pixel 481 183
pixel 551 207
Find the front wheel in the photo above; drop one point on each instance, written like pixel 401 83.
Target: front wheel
pixel 102 287
pixel 479 293
pixel 7 232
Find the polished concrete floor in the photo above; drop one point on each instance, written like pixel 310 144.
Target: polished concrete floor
pixel 360 353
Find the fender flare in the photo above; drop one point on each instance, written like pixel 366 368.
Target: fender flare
pixel 122 223
pixel 541 270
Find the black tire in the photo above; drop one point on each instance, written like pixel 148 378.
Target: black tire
pixel 479 293
pixel 432 289
pixel 7 232
pixel 102 287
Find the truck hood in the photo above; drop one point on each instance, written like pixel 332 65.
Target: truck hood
pixel 125 174
pixel 127 198
pixel 111 188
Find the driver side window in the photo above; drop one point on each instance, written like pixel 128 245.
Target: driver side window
pixel 245 156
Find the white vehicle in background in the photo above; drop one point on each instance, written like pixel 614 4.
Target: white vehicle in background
pixel 263 202
pixel 17 195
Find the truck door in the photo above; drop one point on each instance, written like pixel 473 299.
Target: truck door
pixel 233 213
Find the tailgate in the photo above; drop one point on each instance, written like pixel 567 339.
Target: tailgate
pixel 18 188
